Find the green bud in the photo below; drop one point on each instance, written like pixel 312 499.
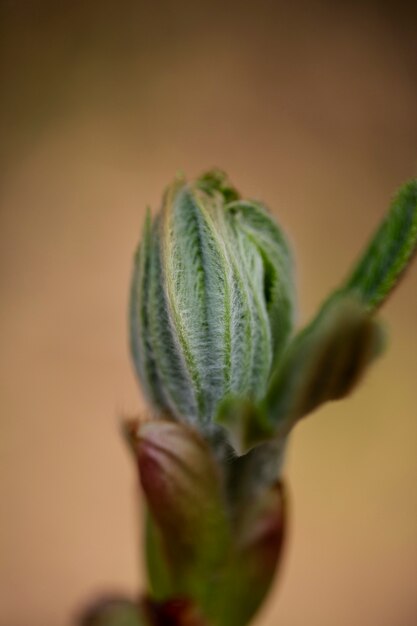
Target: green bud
pixel 211 300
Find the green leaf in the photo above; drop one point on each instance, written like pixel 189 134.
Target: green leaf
pixel 329 357
pixel 245 422
pixel 389 252
pixel 324 362
pixel 258 229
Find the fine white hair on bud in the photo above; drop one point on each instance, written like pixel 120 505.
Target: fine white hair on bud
pixel 211 300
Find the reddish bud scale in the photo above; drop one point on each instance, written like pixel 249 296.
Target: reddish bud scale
pixel 176 612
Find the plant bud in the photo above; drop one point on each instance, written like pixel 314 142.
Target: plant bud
pixel 189 540
pixel 211 299
pixel 217 551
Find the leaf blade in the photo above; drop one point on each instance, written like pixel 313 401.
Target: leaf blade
pixel 389 251
pixel 324 362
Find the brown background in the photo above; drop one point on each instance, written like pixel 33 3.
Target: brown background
pixel 310 107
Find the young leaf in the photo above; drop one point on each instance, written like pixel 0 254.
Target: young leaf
pixel 324 362
pixel 389 252
pixel 329 357
pixel 245 423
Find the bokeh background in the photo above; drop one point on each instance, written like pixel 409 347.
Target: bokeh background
pixel 311 107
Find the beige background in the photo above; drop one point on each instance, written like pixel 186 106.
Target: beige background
pixel 311 108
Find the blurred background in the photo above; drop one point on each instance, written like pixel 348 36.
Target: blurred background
pixel 311 107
